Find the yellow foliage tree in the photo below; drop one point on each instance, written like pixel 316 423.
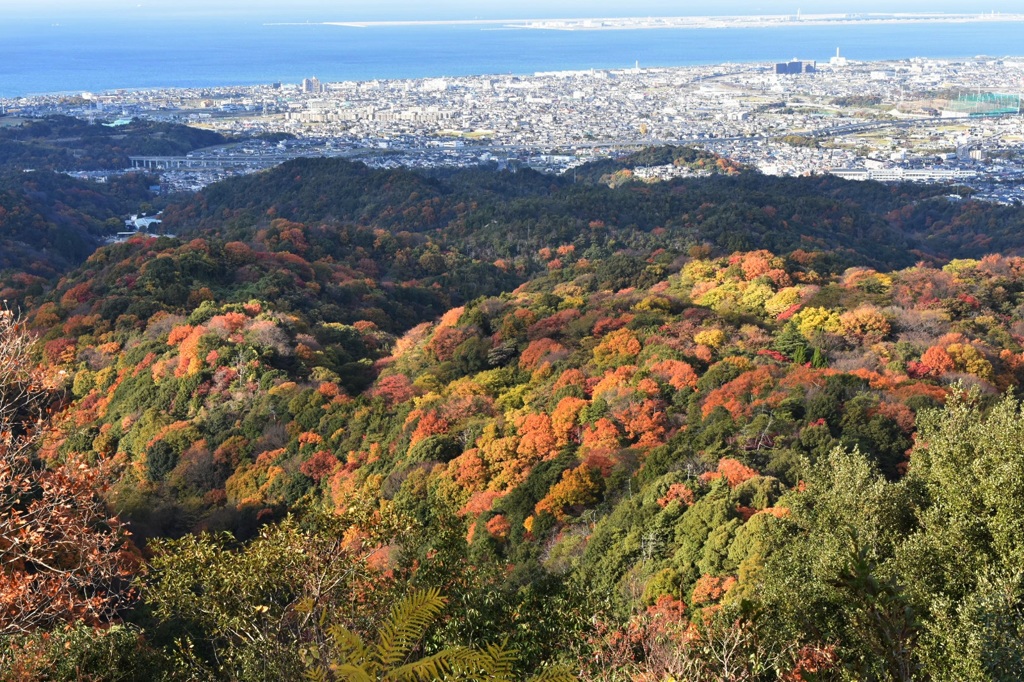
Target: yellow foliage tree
pixel 810 321
pixel 578 488
pixel 616 348
pixel 712 338
pixel 968 359
pixel 866 324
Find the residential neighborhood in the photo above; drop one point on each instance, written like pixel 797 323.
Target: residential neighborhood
pixel 928 120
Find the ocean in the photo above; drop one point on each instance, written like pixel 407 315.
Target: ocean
pixel 40 57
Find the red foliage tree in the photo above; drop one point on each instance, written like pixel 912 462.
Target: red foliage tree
pixel 394 389
pixel 430 424
pixel 59 351
pixel 445 341
pixel 540 352
pixel 553 324
pixel 321 464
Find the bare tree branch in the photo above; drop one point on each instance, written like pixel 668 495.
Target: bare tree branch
pixel 62 557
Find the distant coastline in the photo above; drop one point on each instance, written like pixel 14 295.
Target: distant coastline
pixel 93 57
pixel 698 22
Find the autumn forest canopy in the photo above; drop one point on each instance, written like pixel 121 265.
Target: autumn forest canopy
pixel 353 423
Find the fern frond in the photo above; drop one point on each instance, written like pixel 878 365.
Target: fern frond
pixel 344 639
pixel 351 673
pixel 556 673
pixel 459 663
pixel 502 661
pixel 317 674
pixel 406 626
pixel 348 645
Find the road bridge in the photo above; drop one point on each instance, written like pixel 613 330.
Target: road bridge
pixel 193 162
pixel 231 161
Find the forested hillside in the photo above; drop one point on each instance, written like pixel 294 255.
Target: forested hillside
pixel 50 223
pixel 502 215
pixel 63 143
pixel 491 214
pixel 493 426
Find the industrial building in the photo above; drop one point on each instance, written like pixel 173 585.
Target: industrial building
pixel 903 174
pixel 796 67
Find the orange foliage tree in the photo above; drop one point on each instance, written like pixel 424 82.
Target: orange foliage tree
pixel 733 471
pixel 677 373
pixel 645 423
pixel 756 263
pixel 565 420
pixel 603 435
pixel 936 361
pixel 499 527
pixel 677 491
pixel 537 437
pixel 430 424
pixel 737 395
pixel 711 588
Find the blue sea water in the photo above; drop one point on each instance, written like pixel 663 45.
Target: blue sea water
pixel 80 55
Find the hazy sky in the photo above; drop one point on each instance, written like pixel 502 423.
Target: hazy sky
pixel 325 10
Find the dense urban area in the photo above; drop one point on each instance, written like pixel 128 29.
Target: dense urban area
pixel 946 121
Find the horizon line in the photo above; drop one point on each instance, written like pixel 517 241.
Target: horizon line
pixel 680 20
